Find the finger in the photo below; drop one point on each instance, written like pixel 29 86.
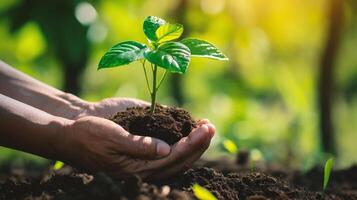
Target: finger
pixel 182 166
pixel 187 164
pixel 195 142
pixel 202 122
pixel 211 127
pixel 148 171
pixel 144 147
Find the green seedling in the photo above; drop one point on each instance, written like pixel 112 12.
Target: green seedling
pixel 58 165
pixel 202 193
pixel 230 146
pixel 162 51
pixel 255 156
pixel 327 172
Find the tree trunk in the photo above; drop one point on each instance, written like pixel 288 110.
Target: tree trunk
pixel 72 76
pixel 326 79
pixel 176 79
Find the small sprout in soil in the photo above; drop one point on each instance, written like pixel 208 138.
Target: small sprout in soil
pixel 202 193
pixel 230 146
pixel 327 172
pixel 255 156
pixel 161 52
pixel 58 165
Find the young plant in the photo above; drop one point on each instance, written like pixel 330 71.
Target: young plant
pixel 162 51
pixel 202 193
pixel 327 172
pixel 255 156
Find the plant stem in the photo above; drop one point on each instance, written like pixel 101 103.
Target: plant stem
pixel 146 77
pixel 154 90
pixel 252 166
pixel 161 80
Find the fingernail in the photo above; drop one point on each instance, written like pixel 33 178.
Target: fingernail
pixel 162 149
pixel 212 129
pixel 206 120
pixel 205 127
pixel 202 122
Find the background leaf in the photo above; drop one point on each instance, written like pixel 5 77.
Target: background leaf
pixel 230 146
pixel 327 172
pixel 151 24
pixel 58 165
pixel 169 32
pixel 172 56
pixel 202 193
pixel 201 48
pixel 122 54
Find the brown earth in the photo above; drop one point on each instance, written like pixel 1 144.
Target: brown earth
pixel 70 184
pixel 166 123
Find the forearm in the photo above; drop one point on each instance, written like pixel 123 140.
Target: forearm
pixel 29 129
pixel 22 87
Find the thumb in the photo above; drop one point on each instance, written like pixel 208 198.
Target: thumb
pixel 146 147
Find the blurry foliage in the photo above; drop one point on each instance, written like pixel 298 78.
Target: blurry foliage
pixel 264 98
pixel 63 30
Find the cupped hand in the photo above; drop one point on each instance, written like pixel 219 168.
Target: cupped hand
pixel 183 153
pixel 97 144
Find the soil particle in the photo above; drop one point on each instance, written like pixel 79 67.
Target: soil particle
pixel 166 123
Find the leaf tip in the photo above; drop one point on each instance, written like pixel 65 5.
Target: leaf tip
pixel 225 58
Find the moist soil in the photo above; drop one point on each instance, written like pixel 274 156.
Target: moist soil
pixel 67 183
pixel 166 123
pixel 225 179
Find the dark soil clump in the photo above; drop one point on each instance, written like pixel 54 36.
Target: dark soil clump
pixel 167 123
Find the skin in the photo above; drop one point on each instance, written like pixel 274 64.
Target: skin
pixel 42 120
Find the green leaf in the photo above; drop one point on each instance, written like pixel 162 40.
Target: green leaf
pixel 122 54
pixel 58 165
pixel 168 32
pixel 230 146
pixel 327 172
pixel 172 56
pixel 202 193
pixel 201 48
pixel 151 24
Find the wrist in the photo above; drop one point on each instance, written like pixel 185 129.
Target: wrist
pixel 72 107
pixel 58 141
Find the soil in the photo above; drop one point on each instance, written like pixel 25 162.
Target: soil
pixel 67 183
pixel 166 123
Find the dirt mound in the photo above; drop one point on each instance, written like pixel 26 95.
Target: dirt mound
pixel 167 123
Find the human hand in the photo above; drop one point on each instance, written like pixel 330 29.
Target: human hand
pixel 98 144
pixel 185 152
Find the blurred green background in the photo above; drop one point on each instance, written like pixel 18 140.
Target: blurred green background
pixel 292 74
